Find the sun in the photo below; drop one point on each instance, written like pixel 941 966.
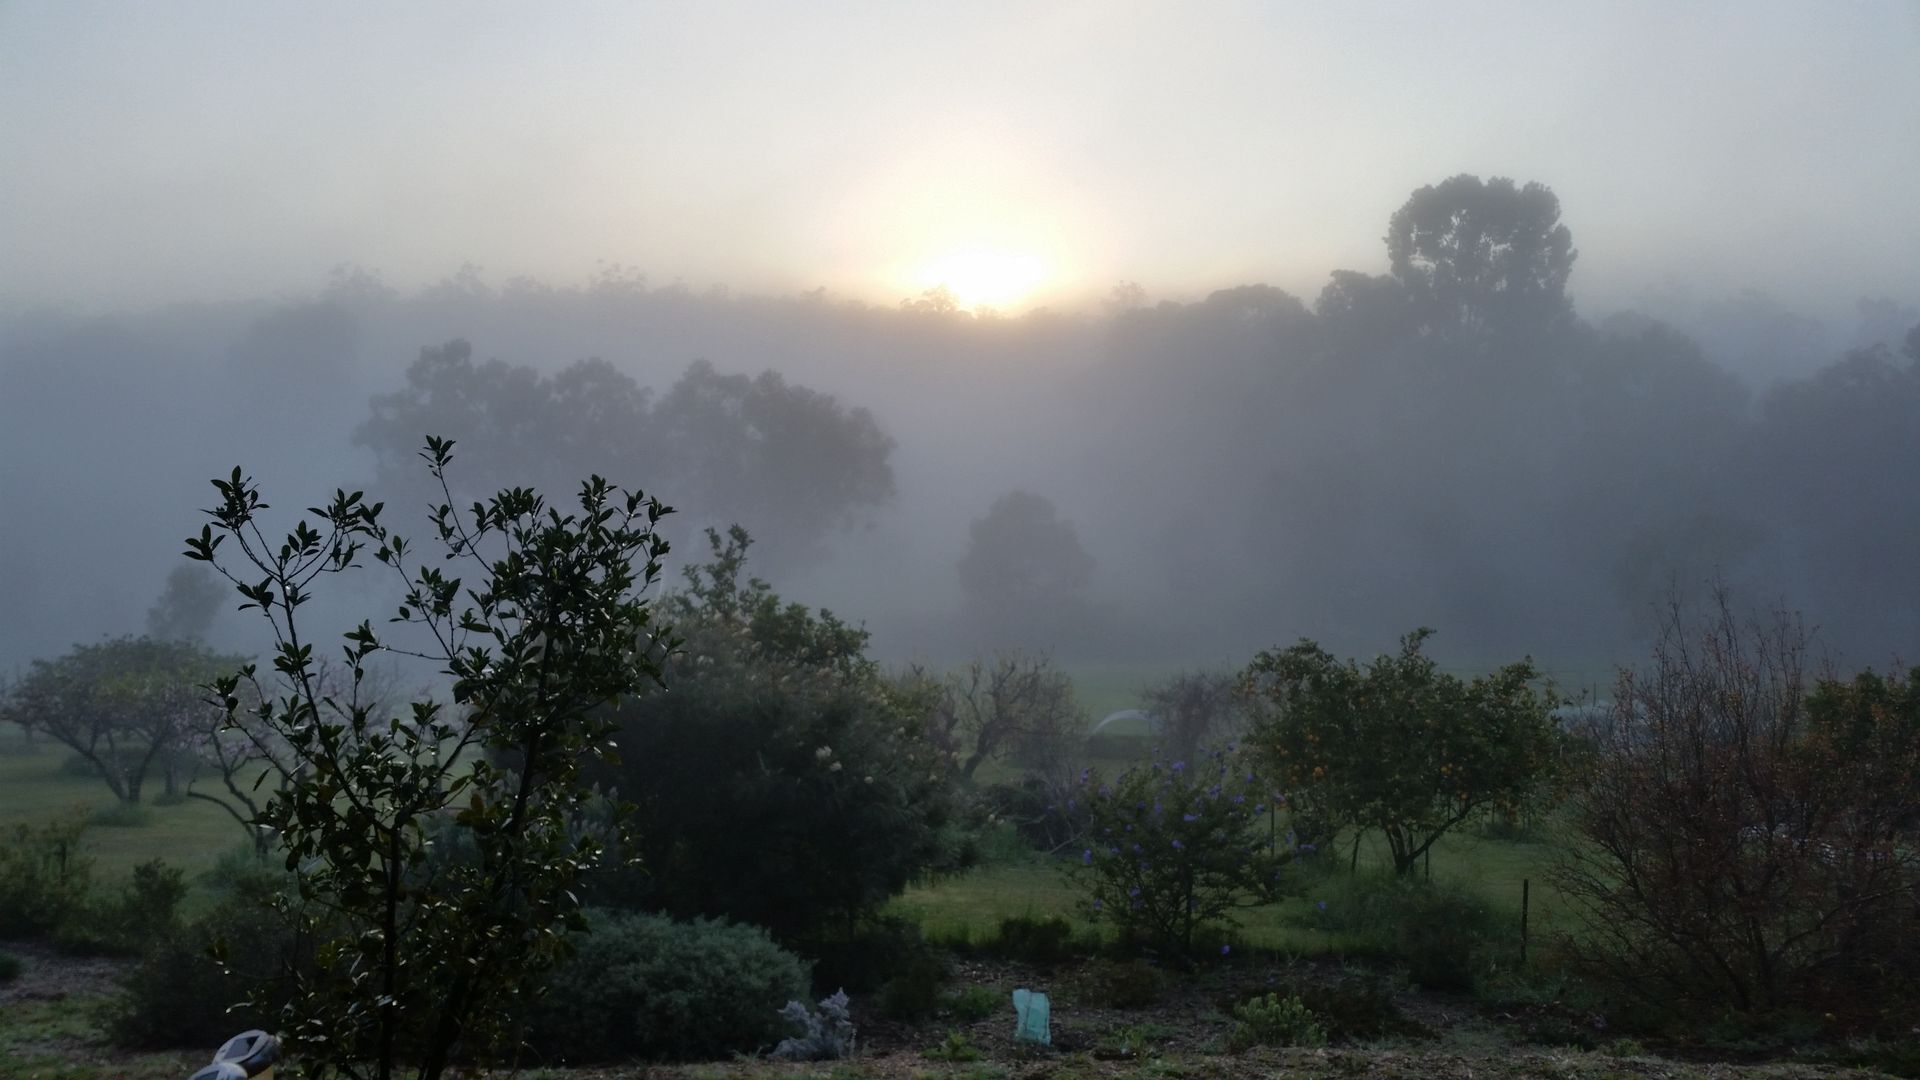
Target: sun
pixel 985 277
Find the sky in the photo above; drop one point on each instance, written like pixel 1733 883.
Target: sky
pixel 1021 153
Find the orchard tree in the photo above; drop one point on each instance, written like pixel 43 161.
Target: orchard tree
pixel 125 706
pixel 1398 745
pixel 537 618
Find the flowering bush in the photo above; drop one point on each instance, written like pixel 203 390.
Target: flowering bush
pixel 1173 847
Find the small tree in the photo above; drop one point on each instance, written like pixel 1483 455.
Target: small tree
pixel 419 955
pixel 1015 705
pixel 1173 847
pixel 1398 745
pixel 1195 708
pixel 124 705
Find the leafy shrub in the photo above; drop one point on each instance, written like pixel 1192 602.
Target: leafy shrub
pixel 1444 932
pixel 44 875
pixel 1274 1021
pixel 1130 984
pixel 145 911
pixel 824 1035
pixel 914 993
pixel 799 795
pixel 9 967
pixel 1356 1006
pixel 1044 941
pixel 1171 848
pixel 973 1003
pixel 178 994
pixel 645 986
pixel 867 955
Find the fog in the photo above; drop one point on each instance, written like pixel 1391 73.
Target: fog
pixel 299 245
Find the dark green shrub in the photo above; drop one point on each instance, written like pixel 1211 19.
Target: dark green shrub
pixel 914 993
pixel 1274 1021
pixel 646 986
pixel 783 782
pixel 1353 1007
pixel 44 875
pixel 145 911
pixel 1444 933
pixel 867 956
pixel 9 967
pixel 1045 941
pixel 177 995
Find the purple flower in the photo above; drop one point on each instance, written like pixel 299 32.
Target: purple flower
pixel 1179 766
pixel 1226 950
pixel 1322 905
pixel 1096 904
pixel 1135 891
pixel 1086 857
pixel 1177 845
pixel 1308 848
pixel 1190 817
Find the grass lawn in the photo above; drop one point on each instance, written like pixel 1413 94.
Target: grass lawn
pixel 35 788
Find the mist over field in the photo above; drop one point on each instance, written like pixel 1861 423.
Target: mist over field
pixel 915 363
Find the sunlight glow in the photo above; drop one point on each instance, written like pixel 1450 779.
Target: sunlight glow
pixel 989 277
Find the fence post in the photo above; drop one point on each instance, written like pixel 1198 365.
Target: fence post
pixel 1526 889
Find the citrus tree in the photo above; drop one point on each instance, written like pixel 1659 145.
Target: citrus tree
pixel 1398 745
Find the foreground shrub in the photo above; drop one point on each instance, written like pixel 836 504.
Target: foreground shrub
pixel 1446 933
pixel 1172 849
pixel 645 986
pixel 1748 834
pixel 823 1035
pixel 783 782
pixel 1032 940
pixel 866 955
pixel 1274 1021
pixel 179 994
pixel 144 912
pixel 44 876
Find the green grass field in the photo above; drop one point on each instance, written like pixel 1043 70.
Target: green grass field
pixel 36 787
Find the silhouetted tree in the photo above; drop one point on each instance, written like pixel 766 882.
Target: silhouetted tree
pixel 1483 257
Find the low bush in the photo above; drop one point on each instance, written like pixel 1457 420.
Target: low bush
pixel 180 995
pixel 1274 1021
pixel 145 911
pixel 1045 941
pixel 826 1034
pixel 954 1048
pixel 44 875
pixel 646 986
pixel 1446 933
pixel 867 955
pixel 914 994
